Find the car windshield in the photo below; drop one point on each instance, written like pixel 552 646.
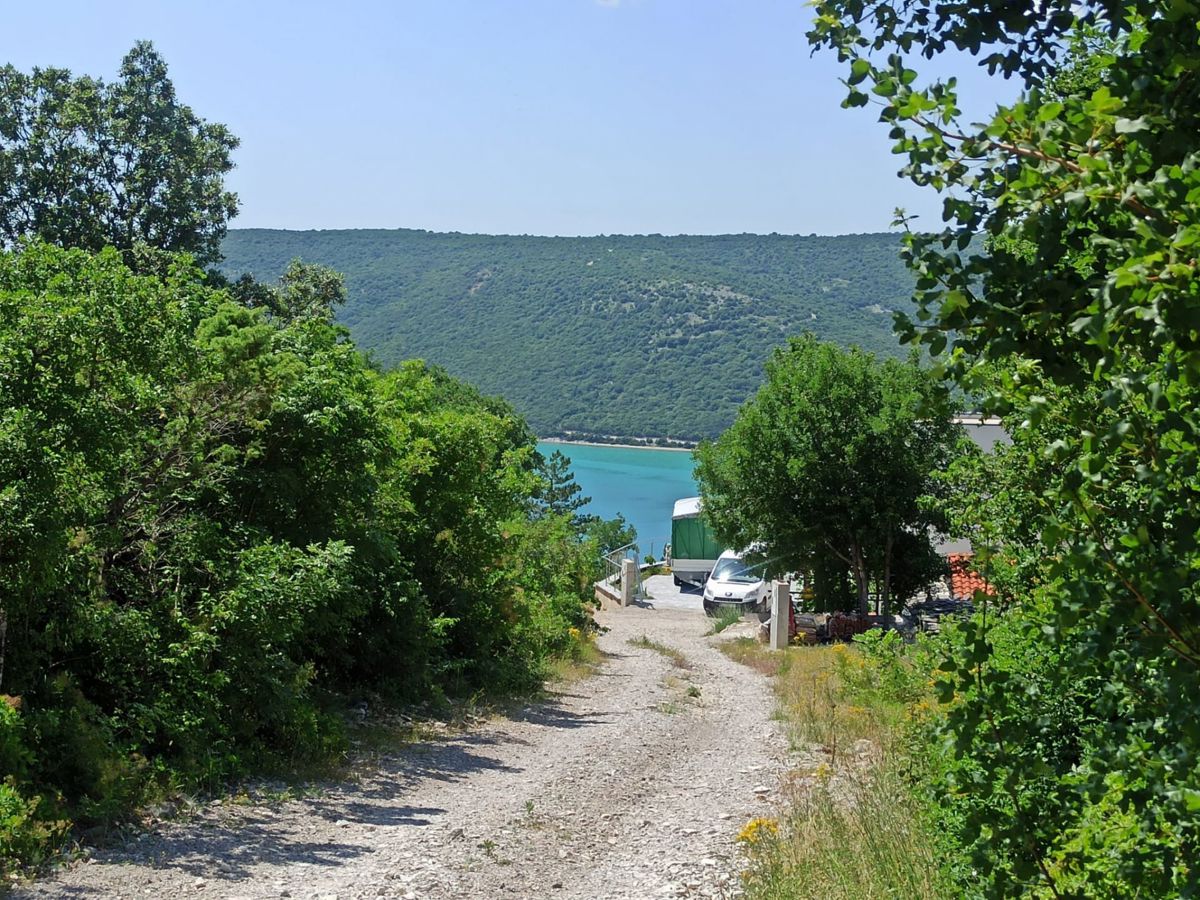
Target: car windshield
pixel 733 570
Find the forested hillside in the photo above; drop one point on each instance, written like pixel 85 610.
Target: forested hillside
pixel 628 335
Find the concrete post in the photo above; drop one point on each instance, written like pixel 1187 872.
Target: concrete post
pixel 628 581
pixel 780 600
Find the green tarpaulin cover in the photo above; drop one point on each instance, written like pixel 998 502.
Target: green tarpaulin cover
pixel 692 539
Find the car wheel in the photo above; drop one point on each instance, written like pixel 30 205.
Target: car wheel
pixel 678 581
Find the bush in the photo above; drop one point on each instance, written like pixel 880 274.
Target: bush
pixel 25 835
pixel 14 755
pixel 886 667
pixel 79 757
pixel 216 520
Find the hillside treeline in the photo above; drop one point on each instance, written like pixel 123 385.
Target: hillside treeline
pixel 627 335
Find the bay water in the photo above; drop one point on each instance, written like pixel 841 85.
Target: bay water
pixel 640 483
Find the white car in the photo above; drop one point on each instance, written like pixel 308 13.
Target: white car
pixel 732 584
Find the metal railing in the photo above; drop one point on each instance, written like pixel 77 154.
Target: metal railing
pixel 612 567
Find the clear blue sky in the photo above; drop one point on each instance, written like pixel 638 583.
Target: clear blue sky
pixel 512 116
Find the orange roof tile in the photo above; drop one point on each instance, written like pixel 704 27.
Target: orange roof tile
pixel 964 580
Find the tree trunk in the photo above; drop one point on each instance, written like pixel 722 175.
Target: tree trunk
pixel 860 578
pixel 3 641
pixel 885 593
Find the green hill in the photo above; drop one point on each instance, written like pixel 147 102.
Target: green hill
pixel 625 335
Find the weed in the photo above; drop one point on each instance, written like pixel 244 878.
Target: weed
pixel 847 799
pixel 725 618
pixel 582 663
pixel 675 656
pixel 488 846
pixel 530 820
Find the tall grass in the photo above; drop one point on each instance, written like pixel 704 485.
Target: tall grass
pixel 853 828
pixel 729 616
pixel 581 659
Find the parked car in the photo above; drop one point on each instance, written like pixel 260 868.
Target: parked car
pixel 734 584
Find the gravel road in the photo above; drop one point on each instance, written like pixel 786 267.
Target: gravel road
pixel 631 783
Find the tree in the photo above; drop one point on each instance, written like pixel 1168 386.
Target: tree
pixel 833 457
pixel 1063 288
pixel 305 290
pixel 560 493
pixel 88 164
pixel 610 534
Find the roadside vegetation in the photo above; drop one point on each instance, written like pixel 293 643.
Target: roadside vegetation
pixel 724 619
pixel 676 656
pixel 857 825
pixel 582 659
pixel 222 528
pixel 1047 745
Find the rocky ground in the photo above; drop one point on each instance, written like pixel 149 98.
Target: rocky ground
pixel 631 783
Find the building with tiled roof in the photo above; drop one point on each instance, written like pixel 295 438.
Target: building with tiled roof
pixel 964 580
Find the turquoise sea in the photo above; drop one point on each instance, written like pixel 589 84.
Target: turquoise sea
pixel 641 484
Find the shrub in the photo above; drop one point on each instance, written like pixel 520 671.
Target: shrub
pixel 25 835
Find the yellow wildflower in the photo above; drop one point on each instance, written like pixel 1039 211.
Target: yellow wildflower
pixel 757 830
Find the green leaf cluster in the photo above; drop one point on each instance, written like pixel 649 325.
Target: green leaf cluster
pixel 1063 289
pixel 215 520
pixel 830 466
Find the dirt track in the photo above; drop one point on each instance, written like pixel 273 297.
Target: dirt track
pixel 625 784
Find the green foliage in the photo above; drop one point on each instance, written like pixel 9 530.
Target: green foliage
pixel 831 466
pixel 304 291
pixel 25 834
pixel 622 335
pixel 216 517
pixel 887 671
pixel 560 493
pixel 1020 725
pixel 88 164
pixel 14 755
pixel 610 534
pixel 1077 319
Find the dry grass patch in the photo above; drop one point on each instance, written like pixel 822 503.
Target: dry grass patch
pixel 751 653
pixel 854 828
pixel 583 664
pixel 848 839
pixel 675 656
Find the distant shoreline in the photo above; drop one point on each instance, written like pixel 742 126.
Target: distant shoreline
pixel 559 440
